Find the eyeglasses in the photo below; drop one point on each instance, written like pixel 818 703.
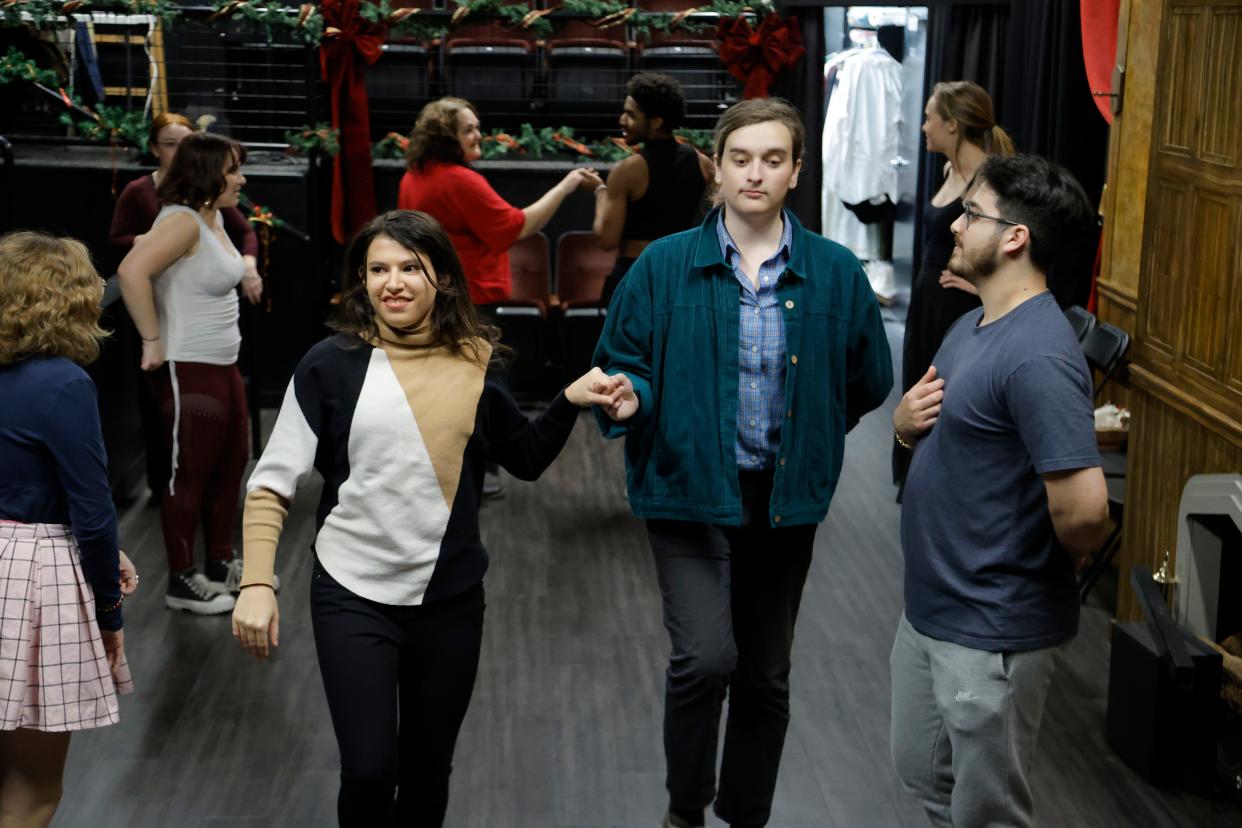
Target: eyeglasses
pixel 971 214
pixel 168 144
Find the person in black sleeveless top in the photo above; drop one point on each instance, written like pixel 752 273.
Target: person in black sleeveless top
pixel 658 190
pixel 958 122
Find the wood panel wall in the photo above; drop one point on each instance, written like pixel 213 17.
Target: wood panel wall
pixel 1186 366
pixel 1125 199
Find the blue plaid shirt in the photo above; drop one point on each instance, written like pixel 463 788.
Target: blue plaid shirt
pixel 761 352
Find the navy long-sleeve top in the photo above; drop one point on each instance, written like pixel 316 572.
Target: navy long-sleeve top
pixel 53 468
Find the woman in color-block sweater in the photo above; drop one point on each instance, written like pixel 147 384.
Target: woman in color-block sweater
pixel 399 413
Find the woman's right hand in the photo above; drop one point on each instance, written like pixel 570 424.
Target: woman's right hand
pixel 114 647
pixel 256 620
pixel 152 354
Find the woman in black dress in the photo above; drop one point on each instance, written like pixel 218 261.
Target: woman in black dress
pixel 958 122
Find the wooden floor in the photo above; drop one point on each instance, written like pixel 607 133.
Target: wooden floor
pixel 564 729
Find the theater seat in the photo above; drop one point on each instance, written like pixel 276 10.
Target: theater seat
pixel 582 266
pixel 500 69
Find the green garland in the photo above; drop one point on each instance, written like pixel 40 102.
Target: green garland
pixel 305 23
pixel 594 8
pixel 517 15
pixel 391 146
pixel 700 139
pixel 55 14
pixel 559 141
pixel 15 66
pixel 112 125
pixel 320 136
pixel 405 24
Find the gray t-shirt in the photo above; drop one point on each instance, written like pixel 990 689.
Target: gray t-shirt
pixel 984 568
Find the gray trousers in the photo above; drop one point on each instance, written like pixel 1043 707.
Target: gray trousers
pixel 964 727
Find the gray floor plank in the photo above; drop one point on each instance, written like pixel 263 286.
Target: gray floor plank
pixel 565 726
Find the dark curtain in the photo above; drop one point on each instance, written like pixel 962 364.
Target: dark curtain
pixel 803 86
pixel 1028 56
pixel 1048 107
pixel 964 42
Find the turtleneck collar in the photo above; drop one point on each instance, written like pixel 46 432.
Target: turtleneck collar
pixel 390 337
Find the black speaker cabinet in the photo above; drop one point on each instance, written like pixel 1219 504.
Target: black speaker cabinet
pixel 1167 736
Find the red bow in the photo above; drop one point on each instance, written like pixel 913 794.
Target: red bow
pixel 349 45
pixel 756 57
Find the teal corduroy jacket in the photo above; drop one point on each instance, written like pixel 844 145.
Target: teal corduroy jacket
pixel 673 329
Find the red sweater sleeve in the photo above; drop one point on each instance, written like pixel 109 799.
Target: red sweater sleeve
pixel 494 221
pixel 240 232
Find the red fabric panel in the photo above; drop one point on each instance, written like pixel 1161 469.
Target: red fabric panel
pixel 349 45
pixel 1099 48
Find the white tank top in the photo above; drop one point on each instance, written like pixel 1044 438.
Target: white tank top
pixel 196 299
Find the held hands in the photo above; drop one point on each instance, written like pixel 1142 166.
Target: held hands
pixel 919 407
pixel 152 354
pixel 614 394
pixel 256 618
pixel 950 280
pixel 583 178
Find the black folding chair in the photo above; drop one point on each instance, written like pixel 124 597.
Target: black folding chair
pixel 1104 346
pixel 1081 320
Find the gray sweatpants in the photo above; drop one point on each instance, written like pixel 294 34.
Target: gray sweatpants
pixel 964 727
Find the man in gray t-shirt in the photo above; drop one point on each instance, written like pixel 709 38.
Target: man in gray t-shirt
pixel 1003 499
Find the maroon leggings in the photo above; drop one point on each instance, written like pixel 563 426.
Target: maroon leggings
pixel 211 458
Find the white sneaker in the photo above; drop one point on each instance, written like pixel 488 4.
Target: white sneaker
pixel 225 578
pixel 189 591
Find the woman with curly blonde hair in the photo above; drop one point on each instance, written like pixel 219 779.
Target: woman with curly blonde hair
pixel 61 573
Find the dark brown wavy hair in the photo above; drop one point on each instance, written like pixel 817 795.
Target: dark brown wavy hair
pixel 49 299
pixel 435 133
pixel 455 323
pixel 195 178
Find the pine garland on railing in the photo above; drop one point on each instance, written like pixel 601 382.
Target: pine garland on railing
pixel 557 141
pixel 15 66
pixel 320 136
pixel 305 22
pixel 111 125
pixel 517 15
pixel 391 146
pixel 403 23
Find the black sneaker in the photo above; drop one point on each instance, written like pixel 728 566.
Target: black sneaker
pixel 224 577
pixel 189 591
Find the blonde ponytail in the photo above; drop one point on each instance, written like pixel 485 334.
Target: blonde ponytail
pixel 999 142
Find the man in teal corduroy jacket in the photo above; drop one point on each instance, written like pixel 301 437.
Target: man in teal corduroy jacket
pixel 742 352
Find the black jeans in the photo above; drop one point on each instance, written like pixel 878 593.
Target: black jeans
pixel 398 682
pixel 731 597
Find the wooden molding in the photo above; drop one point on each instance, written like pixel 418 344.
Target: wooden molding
pixel 1187 403
pixel 1120 294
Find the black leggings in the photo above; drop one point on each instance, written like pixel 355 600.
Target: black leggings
pixel 398 682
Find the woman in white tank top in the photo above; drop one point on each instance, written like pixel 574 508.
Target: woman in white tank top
pixel 179 283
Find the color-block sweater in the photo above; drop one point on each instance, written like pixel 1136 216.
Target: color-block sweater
pixel 401 434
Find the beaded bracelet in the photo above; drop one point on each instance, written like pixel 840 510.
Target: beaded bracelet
pixel 902 441
pixel 105 610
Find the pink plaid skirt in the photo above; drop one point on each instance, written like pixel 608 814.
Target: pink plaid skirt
pixel 54 674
